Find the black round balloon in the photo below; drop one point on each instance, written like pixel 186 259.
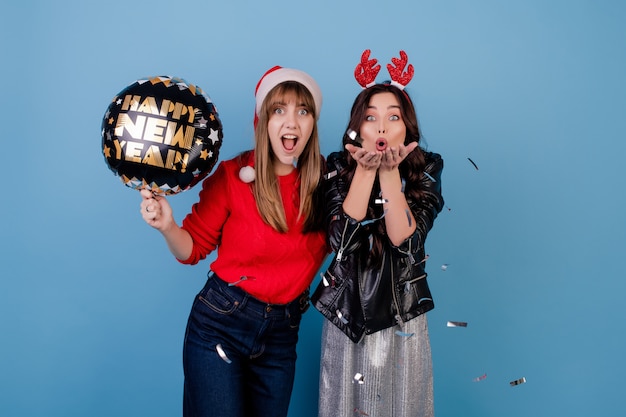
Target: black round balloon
pixel 161 133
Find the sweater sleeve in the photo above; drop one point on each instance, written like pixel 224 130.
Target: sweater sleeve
pixel 208 215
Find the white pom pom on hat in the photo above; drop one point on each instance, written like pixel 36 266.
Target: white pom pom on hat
pixel 277 75
pixel 246 174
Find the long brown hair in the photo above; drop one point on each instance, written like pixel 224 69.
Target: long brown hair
pixel 310 164
pixel 410 169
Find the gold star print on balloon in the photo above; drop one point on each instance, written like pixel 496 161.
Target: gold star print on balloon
pixel 205 154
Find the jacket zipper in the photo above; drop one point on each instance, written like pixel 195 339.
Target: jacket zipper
pixel 410 252
pixel 343 236
pixel 393 291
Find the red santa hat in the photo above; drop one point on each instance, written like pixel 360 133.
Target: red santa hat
pixel 277 75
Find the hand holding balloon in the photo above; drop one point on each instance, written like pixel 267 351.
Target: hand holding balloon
pixel 156 211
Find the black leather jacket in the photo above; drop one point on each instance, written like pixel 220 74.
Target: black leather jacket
pixel 358 298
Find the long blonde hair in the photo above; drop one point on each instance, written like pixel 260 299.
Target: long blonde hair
pixel 310 164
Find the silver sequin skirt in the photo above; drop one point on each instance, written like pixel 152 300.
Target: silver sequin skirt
pixel 387 374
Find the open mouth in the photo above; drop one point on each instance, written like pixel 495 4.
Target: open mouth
pixel 289 142
pixel 381 144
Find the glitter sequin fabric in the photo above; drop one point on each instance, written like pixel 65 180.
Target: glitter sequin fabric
pixel 394 369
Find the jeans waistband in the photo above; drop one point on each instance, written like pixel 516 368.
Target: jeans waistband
pixel 297 306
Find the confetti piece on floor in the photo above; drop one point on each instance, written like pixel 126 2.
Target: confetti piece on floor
pixel 480 378
pixel 457 324
pixel 222 354
pixel 517 382
pixel 360 412
pixel 475 166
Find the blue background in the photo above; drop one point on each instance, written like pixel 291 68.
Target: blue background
pixel 93 307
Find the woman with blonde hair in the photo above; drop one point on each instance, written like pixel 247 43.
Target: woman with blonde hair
pixel 259 211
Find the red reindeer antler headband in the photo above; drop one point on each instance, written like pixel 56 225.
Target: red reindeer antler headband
pixel 367 70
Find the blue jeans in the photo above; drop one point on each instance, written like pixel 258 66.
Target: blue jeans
pixel 239 353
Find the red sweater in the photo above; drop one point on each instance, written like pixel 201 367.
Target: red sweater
pixel 279 266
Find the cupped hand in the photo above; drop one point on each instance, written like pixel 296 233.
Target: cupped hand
pixel 393 156
pixel 368 160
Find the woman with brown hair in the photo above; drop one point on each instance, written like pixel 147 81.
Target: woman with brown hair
pixel 381 202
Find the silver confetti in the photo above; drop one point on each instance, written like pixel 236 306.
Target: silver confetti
pixel 330 175
pixel 358 377
pixel 366 222
pixel 517 382
pixel 404 334
pixel 457 324
pixel 222 354
pixel 480 378
pixel 355 137
pixel 341 317
pixel 241 279
pixel 324 280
